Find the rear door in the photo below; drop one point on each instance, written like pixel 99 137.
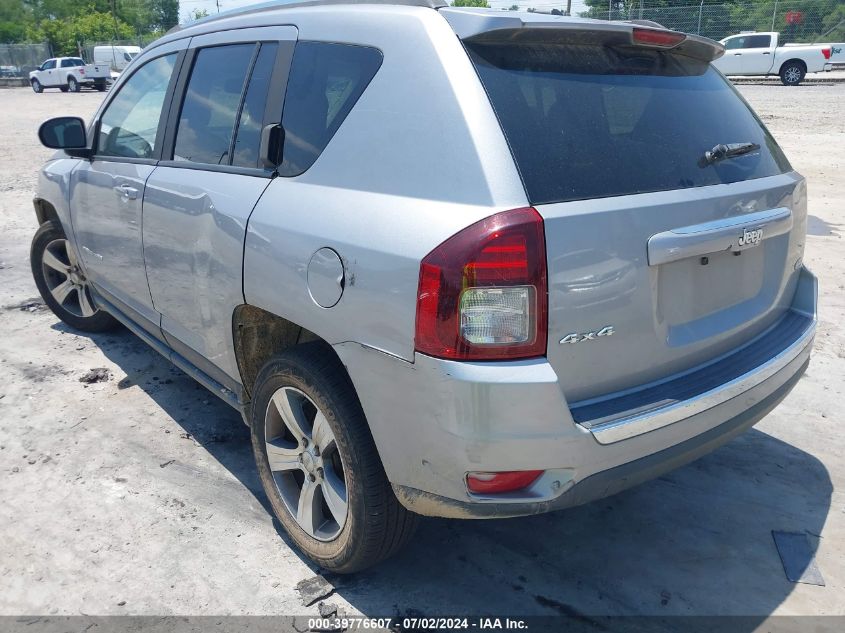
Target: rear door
pixel 658 260
pixel 198 201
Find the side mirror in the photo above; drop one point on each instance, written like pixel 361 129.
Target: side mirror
pixel 272 141
pixel 67 133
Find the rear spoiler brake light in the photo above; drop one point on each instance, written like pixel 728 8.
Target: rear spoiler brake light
pixel 489 27
pixel 656 37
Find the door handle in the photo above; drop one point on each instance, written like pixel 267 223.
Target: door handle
pixel 130 193
pixel 737 54
pixel 767 53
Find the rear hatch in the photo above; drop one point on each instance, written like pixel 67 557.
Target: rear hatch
pixel 661 257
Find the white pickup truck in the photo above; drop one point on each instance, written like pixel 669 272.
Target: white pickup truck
pixel 69 73
pixel 760 54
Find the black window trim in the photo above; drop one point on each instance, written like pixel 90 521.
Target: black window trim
pixel 168 96
pixel 275 99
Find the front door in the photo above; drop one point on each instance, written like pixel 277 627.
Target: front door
pixel 107 192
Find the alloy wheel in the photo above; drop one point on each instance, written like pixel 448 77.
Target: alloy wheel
pixel 306 464
pixel 65 280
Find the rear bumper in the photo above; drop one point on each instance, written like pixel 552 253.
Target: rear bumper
pixel 433 421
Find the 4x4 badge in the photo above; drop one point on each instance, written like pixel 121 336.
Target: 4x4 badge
pixel 576 337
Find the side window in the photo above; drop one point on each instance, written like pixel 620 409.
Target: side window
pixel 212 100
pixel 49 64
pixel 71 63
pixel 250 122
pixel 757 41
pixel 325 82
pixel 129 126
pixel 734 42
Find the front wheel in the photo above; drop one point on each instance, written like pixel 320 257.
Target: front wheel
pixel 319 465
pixel 792 73
pixel 61 282
pixel 36 86
pixel 73 84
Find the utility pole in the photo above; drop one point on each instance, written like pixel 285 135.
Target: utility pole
pixel 114 17
pixel 700 10
pixel 218 6
pixel 774 14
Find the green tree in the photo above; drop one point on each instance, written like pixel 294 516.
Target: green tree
pixel 471 3
pixel 513 7
pixel 197 14
pixel 65 35
pixel 15 17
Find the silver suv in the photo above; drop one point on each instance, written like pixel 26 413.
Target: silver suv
pixel 446 262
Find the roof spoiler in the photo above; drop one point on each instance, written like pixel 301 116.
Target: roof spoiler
pixel 494 27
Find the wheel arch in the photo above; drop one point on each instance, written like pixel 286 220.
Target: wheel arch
pixel 45 211
pixel 258 335
pixel 797 60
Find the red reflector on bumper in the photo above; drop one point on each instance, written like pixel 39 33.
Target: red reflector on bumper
pixel 508 481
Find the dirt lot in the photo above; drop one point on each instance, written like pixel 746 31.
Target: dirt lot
pixel 138 494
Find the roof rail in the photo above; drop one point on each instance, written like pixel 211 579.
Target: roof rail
pixel 272 5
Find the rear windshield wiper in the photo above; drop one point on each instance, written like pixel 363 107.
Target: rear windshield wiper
pixel 721 152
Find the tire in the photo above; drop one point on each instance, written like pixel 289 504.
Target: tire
pixel 56 272
pixel 63 88
pixel 73 84
pixel 311 380
pixel 100 85
pixel 37 88
pixel 792 73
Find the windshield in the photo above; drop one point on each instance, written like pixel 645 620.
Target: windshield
pixel 590 121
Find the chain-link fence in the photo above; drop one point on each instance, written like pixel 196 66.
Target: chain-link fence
pixel 798 20
pixel 16 60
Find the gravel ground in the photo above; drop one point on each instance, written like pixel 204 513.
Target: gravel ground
pixel 137 494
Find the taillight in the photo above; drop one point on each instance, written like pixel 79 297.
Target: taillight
pixel 482 293
pixel 655 37
pixel 496 483
pixel 826 52
pixel 81 71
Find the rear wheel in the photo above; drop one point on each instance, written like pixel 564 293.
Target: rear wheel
pixel 72 84
pixel 63 88
pixel 100 85
pixel 318 463
pixel 792 73
pixel 61 282
pixel 36 86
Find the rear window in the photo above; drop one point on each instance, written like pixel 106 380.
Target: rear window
pixel 72 62
pixel 586 121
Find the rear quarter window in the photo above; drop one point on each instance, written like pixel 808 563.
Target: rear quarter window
pixel 589 121
pixel 326 80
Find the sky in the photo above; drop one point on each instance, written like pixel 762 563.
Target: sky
pixel 187 6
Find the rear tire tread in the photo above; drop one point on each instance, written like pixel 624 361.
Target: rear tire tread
pixel 388 525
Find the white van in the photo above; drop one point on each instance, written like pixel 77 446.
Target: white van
pixel 117 57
